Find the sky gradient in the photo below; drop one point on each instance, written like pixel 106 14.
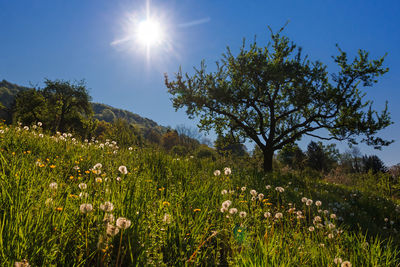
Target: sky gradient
pixel 74 40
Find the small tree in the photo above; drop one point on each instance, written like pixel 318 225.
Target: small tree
pixel 320 157
pixel 273 96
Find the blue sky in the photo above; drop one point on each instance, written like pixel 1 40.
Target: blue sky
pixel 73 40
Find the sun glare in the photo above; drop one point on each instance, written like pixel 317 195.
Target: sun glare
pixel 149 32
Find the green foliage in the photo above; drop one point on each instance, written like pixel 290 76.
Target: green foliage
pixel 273 96
pixel 175 210
pixel 321 157
pixel 292 156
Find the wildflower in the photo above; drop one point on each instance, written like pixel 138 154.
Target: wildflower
pixel 119 179
pixel 122 169
pixel 346 264
pixel 39 124
pixel 196 210
pixel 253 193
pixel 299 213
pixel 123 223
pixel 223 192
pixel 267 214
pixel 331 226
pixel 304 199
pixel 317 219
pixel 130 148
pixel 326 212
pixel 59 209
pixel 311 228
pixel 242 214
pixel 260 196
pixel 53 186
pixel 333 216
pixel 386 219
pixel 233 211
pixel 337 261
pixel 108 217
pixel 223 209
pixel 226 204
pixel 167 218
pixel 26 128
pixel 231 191
pixel 41 135
pixel 227 171
pixel 309 202
pixel 112 230
pixel 279 215
pixel 86 208
pixel 52 166
pixel 107 206
pixel 243 189
pixel 318 203
pixel 82 186
pixel 23 263
pixel 217 173
pixel 83 195
pixel 76 168
pixel 97 166
pixel 319 225
pixel 330 236
pixel 268 187
pixel 99 180
pixel 279 189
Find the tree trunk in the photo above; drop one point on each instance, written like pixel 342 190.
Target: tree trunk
pixel 268 156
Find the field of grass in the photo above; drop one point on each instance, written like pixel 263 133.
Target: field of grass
pixel 69 203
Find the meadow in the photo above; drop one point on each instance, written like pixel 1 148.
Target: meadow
pixel 64 202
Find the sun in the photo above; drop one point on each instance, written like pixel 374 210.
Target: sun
pixel 149 32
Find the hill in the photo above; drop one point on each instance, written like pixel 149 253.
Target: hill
pixel 66 202
pixel 103 112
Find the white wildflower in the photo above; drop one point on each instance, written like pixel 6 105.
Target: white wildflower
pixel 242 214
pixel 107 206
pixel 86 208
pixel 82 186
pixel 227 171
pixel 122 169
pixel 53 186
pixel 217 173
pixel 233 210
pixel 123 223
pixel 279 189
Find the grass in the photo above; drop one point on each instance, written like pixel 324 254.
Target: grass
pixel 175 206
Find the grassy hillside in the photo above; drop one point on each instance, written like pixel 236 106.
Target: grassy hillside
pixel 102 112
pixel 68 203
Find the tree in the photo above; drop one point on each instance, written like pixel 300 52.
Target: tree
pixel 320 157
pixel 292 156
pixel 228 145
pixel 373 163
pixel 29 107
pixel 66 102
pixel 273 96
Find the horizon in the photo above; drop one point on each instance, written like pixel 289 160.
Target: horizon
pixel 74 41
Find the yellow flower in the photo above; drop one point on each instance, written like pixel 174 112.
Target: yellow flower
pixel 161 189
pixel 196 210
pixel 239 230
pixel 87 172
pixel 73 196
pixel 52 166
pixel 243 201
pixel 166 203
pixel 59 209
pixel 71 177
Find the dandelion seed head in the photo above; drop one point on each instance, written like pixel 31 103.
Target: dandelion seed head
pixel 253 193
pixel 86 208
pixel 226 204
pixel 123 223
pixel 233 210
pixel 346 264
pixel 167 218
pixel 107 206
pixel 122 169
pixel 112 230
pixel 318 203
pixel 53 186
pixel 280 189
pixel 242 214
pixel 337 260
pixel 227 171
pixel 278 215
pixel 267 214
pixel 268 187
pixel 311 228
pixel 82 186
pixel 217 173
pixel 224 192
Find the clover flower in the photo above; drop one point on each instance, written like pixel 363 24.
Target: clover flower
pixel 123 223
pixel 82 186
pixel 86 208
pixel 107 206
pixel 122 169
